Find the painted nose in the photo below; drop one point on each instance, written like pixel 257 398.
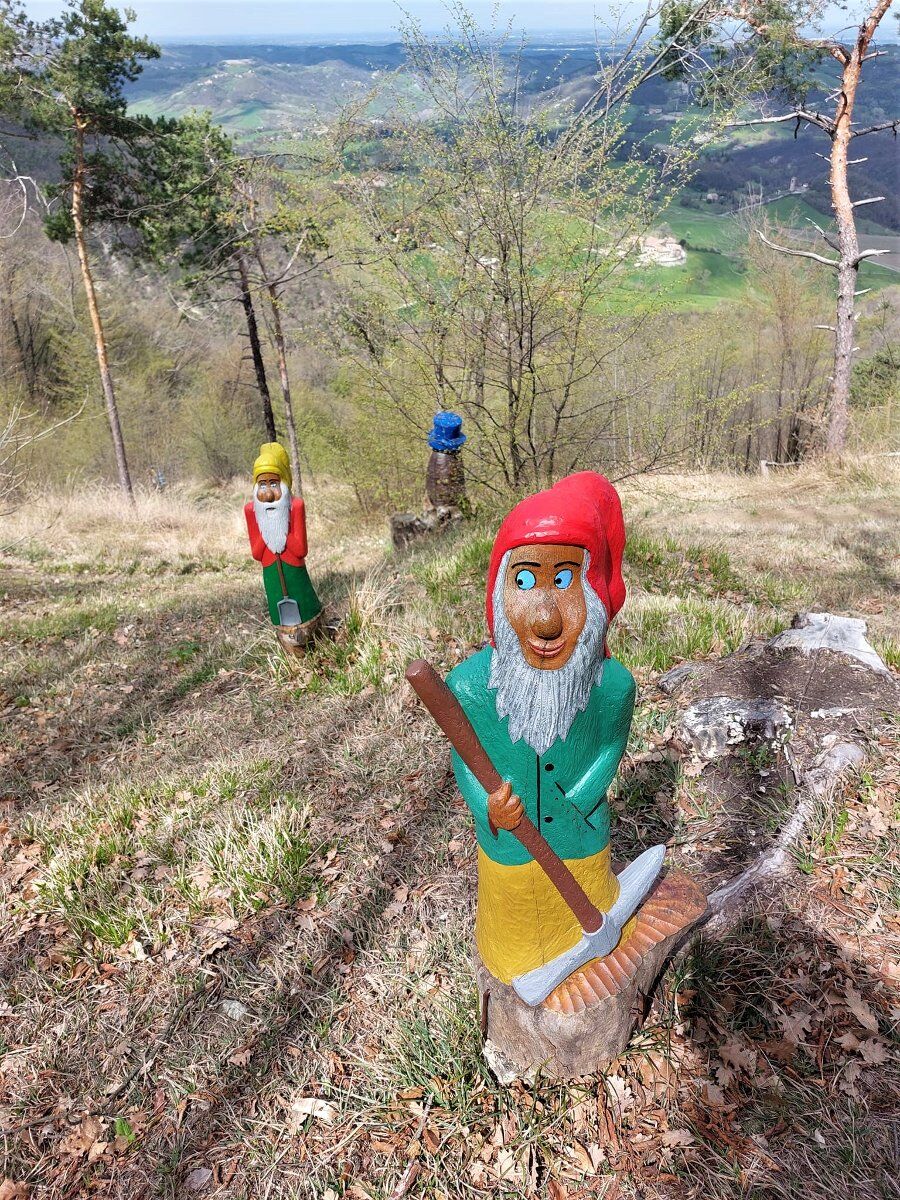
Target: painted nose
pixel 547 621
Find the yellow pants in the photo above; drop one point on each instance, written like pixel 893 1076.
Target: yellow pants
pixel 522 921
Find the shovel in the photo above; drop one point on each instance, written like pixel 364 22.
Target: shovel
pixel 600 932
pixel 288 608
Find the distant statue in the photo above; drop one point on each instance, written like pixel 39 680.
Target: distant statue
pixel 276 525
pixel 445 481
pixel 445 484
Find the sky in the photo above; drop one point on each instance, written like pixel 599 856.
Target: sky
pixel 212 20
pixel 345 20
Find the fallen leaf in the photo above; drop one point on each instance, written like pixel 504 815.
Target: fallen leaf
pixel 874 1051
pixel 620 1094
pixel 197 1179
pixel 10 1190
pixel 737 1055
pixel 313 1106
pixel 678 1137
pixel 848 1078
pixel 794 1026
pixel 598 1156
pixel 80 1140
pixel 506 1166
pixel 863 1012
pixel 583 1157
pixel 401 895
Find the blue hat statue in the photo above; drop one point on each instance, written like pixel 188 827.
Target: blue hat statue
pixel 446 434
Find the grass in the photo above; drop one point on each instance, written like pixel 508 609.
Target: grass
pixel 236 893
pixel 114 859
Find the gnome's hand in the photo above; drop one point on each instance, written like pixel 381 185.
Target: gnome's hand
pixel 505 809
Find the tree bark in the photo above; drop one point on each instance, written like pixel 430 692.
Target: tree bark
pixel 848 242
pixel 848 268
pixel 259 365
pixel 284 378
pixel 109 394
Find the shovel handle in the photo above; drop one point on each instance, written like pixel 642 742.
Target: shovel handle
pixel 457 728
pixel 284 591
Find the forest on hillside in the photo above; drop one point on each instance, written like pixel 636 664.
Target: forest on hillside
pixel 475 247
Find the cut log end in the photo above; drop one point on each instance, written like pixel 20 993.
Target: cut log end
pixel 588 1019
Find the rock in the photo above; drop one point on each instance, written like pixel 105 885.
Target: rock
pixel 824 631
pixel 711 727
pixel 196 1180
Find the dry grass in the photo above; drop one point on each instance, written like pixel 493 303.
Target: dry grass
pixel 236 897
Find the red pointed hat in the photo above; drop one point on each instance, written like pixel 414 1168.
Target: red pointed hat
pixel 581 510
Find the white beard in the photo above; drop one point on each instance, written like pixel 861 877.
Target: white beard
pixel 542 703
pixel 274 520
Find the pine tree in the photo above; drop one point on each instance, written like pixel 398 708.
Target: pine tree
pixel 66 77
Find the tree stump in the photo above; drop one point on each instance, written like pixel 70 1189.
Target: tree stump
pixel 587 1021
pixel 407 528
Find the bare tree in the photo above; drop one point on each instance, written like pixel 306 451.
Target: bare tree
pixel 496 252
pixel 776 35
pixel 285 241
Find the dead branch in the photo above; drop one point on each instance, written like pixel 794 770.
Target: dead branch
pixel 819 258
pixel 817 785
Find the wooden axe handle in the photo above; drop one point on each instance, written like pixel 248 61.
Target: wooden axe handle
pixel 457 728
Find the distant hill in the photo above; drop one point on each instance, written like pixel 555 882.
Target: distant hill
pixel 247 95
pixel 272 93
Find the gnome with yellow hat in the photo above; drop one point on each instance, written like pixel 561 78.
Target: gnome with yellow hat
pixel 276 523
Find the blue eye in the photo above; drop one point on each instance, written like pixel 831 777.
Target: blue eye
pixel 525 580
pixel 563 578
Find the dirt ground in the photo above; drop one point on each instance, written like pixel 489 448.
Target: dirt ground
pixel 236 895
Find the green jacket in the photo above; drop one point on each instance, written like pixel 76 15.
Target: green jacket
pixel 563 791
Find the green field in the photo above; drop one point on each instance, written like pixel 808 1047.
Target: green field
pixel 722 235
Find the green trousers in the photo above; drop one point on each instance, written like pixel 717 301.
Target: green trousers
pixel 299 588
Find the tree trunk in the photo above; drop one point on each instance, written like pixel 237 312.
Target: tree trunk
pixel 848 243
pixel 109 394
pixel 259 365
pixel 278 338
pixel 848 268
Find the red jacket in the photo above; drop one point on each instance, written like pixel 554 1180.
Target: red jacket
pixel 295 549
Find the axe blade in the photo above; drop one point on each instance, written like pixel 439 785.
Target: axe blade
pixel 635 882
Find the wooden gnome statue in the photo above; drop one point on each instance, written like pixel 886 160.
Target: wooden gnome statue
pixel 539 721
pixel 445 479
pixel 276 524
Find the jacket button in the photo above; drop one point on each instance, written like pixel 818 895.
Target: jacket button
pixel 548 819
pixel 548 766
